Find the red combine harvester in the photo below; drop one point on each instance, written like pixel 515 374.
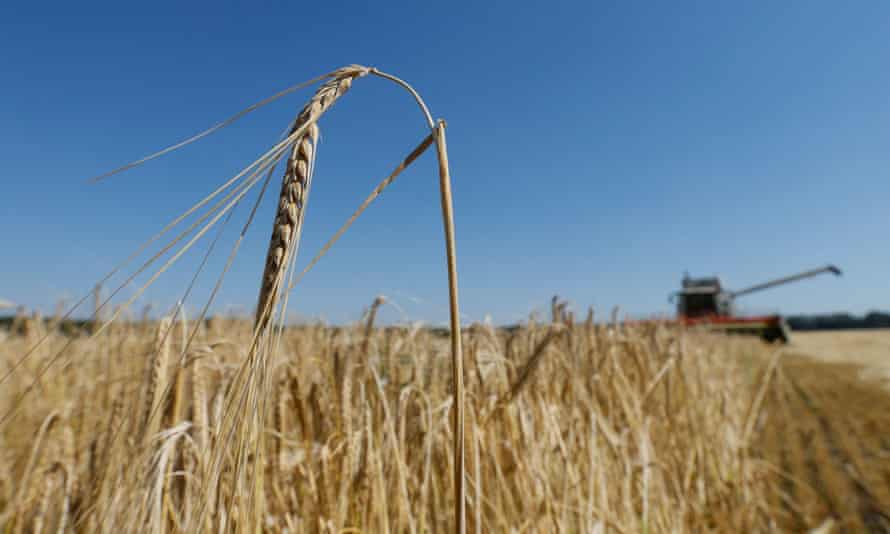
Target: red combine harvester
pixel 705 303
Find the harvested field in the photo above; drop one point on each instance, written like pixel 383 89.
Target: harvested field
pixel 869 349
pixel 826 424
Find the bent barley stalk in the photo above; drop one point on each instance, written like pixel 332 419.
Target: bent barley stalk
pixel 288 225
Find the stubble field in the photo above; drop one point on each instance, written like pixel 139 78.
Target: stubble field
pixel 827 425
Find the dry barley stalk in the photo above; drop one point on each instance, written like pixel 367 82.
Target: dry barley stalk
pixel 245 436
pixel 156 380
pixel 457 368
pixel 288 224
pixel 369 325
pixel 295 188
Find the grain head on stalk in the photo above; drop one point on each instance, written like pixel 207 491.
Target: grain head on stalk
pixel 295 188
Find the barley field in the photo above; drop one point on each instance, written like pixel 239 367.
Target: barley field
pixel 571 427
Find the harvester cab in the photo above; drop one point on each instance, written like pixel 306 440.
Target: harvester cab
pixel 705 301
pixel 703 297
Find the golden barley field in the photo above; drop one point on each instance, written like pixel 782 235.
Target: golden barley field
pixel 572 426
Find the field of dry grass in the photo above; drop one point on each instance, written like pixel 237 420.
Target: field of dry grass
pixel 570 428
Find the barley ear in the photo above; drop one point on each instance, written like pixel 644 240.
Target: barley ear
pixel 156 383
pixel 295 189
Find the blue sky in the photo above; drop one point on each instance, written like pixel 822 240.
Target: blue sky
pixel 598 150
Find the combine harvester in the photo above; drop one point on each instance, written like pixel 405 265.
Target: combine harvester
pixel 703 302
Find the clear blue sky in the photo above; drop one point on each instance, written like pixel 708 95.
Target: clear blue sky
pixel 598 149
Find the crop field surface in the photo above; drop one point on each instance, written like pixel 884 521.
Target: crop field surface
pixel 571 427
pixel 869 349
pixel 826 421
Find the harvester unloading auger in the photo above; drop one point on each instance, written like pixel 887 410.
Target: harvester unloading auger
pixel 704 302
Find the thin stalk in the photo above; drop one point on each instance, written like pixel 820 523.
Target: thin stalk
pixel 457 370
pixel 426 112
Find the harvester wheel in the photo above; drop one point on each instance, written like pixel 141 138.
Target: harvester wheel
pixel 777 333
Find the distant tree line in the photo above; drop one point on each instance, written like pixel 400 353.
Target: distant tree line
pixel 839 321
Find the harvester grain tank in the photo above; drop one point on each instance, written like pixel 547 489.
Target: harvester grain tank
pixel 705 302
